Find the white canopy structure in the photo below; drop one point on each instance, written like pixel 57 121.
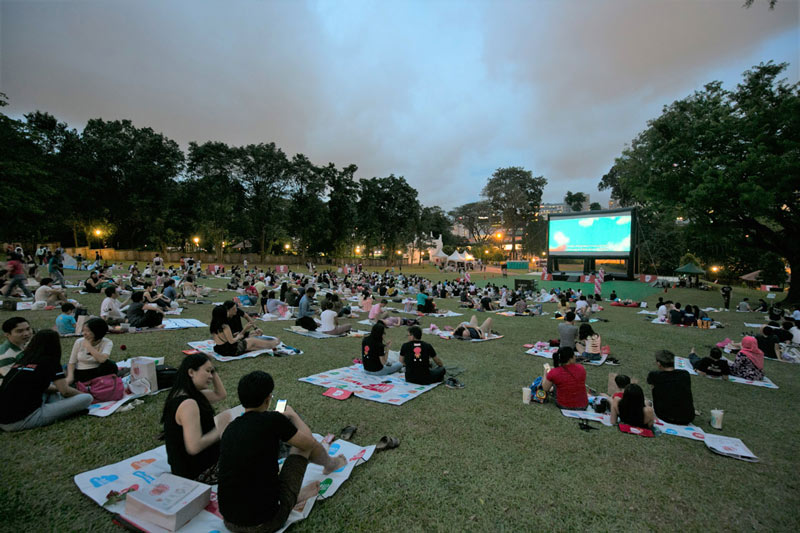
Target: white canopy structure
pixel 438 256
pixel 68 261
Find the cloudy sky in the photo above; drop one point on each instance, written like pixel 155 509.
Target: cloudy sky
pixel 441 92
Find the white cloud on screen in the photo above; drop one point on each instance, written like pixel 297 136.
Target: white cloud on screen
pixel 560 238
pixel 623 220
pixel 586 222
pixel 623 246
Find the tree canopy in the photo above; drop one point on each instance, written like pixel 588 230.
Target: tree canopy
pixel 725 162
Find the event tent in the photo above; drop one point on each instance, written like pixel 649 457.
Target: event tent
pixel 690 269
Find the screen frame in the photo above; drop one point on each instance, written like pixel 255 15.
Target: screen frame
pixel 595 255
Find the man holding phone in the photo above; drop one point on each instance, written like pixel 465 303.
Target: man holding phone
pixel 252 495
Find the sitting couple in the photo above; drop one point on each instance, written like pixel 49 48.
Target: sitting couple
pixel 241 454
pixel 416 356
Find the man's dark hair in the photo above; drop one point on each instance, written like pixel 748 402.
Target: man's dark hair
pixel 137 296
pixel 415 331
pixel 715 353
pixel 254 388
pixel 110 291
pixel 570 316
pixel 12 322
pixel 45 281
pixel 67 307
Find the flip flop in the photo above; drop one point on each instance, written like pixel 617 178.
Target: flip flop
pixel 387 443
pixel 348 432
pixel 453 383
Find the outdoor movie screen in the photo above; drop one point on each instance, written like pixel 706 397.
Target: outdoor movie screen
pixel 590 233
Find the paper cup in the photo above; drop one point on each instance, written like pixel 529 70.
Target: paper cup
pixel 526 395
pixel 716 418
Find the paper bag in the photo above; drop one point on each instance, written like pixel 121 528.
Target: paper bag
pixel 145 368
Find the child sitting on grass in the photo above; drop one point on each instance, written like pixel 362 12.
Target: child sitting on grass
pixel 65 322
pixel 713 365
pixel 629 408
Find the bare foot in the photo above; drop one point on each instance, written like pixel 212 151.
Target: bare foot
pixel 338 462
pixel 310 490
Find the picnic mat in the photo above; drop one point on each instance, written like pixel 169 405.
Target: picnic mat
pixel 269 317
pixel 391 389
pixel 319 335
pixel 448 335
pixel 543 349
pixel 141 470
pixel 207 347
pixel 172 323
pixel 683 363
pixel 689 431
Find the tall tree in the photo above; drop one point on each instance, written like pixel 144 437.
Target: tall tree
pixel 308 216
pixel 342 208
pixel 575 200
pixel 726 162
pixel 516 195
pixel 388 212
pixel 477 218
pixel 265 176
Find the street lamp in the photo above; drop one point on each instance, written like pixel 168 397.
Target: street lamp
pixel 715 269
pixel 196 241
pixel 286 246
pixel 98 232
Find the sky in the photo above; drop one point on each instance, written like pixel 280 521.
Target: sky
pixel 440 92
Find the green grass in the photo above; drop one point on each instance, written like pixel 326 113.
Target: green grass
pixel 475 459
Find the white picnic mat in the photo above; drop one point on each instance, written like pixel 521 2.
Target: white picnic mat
pixel 142 469
pixel 548 352
pixel 207 347
pixel 391 389
pixel 683 363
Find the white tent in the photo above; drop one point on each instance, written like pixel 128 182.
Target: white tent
pixel 456 257
pixel 438 256
pixel 68 261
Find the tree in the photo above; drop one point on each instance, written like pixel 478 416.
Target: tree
pixel 575 200
pixel 726 162
pixel 388 212
pixel 516 195
pixel 308 217
pixel 477 218
pixel 594 206
pixel 342 211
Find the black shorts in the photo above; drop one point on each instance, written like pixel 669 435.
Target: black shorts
pixel 290 482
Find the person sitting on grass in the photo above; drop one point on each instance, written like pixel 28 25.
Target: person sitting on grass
pixel 252 494
pixel 191 433
pixel 27 398
pixel 305 310
pixel 588 344
pixel 689 318
pixel 630 408
pixel 17 332
pixel 228 344
pixel 672 390
pixel 425 303
pixel 374 353
pixel 48 294
pixel 749 362
pixel 486 302
pixel 143 315
pixel 169 291
pixel 111 308
pixel 65 322
pixel 568 331
pixel 151 296
pixel 582 309
pixel 330 321
pixel 471 330
pixel 90 354
pixel 416 356
pixel 713 365
pixel 769 340
pixel 675 316
pixel 569 379
pixel 744 306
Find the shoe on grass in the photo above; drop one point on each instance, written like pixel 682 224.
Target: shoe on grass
pixel 453 383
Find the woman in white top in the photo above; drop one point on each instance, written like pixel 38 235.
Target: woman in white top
pixel 89 358
pixel 330 321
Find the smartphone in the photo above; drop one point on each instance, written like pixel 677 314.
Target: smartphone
pixel 280 406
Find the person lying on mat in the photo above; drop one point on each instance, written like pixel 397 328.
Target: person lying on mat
pixel 672 390
pixel 569 378
pixel 191 434
pixel 471 330
pixel 374 353
pixel 229 344
pixel 90 354
pixel 416 355
pixel 27 398
pixel 330 321
pixel 630 408
pixel 252 494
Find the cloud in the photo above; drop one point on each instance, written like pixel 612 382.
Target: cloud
pixel 438 94
pixel 623 221
pixel 586 222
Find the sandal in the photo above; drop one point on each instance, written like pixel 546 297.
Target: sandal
pixel 347 433
pixel 387 443
pixel 453 383
pixel 612 361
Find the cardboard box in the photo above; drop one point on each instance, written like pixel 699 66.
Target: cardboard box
pixel 170 501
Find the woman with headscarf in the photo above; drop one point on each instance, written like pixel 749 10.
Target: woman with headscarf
pixel 749 363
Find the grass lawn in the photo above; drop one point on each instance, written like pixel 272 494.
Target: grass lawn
pixel 475 459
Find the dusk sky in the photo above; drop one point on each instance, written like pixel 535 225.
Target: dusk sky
pixel 441 92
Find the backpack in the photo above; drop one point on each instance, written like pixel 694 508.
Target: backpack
pixel 103 388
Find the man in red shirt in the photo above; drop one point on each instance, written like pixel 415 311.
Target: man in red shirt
pixel 17 275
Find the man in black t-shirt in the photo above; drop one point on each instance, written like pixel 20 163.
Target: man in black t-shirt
pixel 676 315
pixel 252 495
pixel 416 356
pixel 713 365
pixel 672 391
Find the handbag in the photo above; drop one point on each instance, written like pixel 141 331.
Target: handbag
pixel 103 388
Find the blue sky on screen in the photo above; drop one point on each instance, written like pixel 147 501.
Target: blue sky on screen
pixel 441 92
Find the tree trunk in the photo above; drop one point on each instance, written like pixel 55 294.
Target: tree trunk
pixel 75 234
pixel 262 243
